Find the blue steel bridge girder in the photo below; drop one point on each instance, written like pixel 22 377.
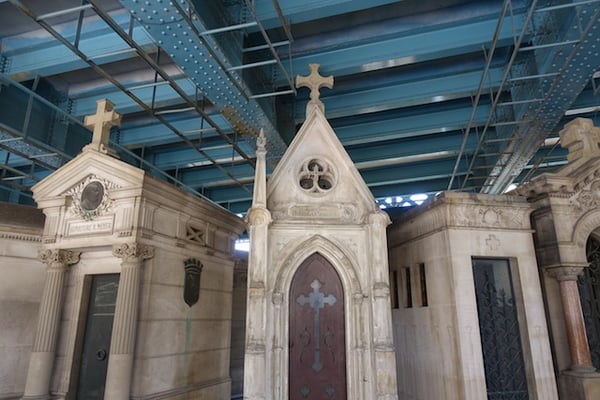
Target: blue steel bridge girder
pixel 406 48
pixel 406 94
pixel 304 10
pixel 178 29
pixel 436 147
pixel 571 63
pixel 30 55
pixel 426 122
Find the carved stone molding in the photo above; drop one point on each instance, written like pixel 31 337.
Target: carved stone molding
pixel 565 273
pixel 58 257
pixel 91 197
pixel 380 218
pixel 259 216
pixel 588 197
pixel 133 252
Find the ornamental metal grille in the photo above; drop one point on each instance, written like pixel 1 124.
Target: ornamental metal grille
pixel 589 292
pixel 505 375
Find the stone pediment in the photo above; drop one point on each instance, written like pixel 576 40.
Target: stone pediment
pixel 89 166
pixel 316 179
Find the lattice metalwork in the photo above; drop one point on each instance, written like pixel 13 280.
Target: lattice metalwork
pixel 589 291
pixel 499 327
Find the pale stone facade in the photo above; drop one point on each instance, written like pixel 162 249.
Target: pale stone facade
pixel 294 217
pixel 104 216
pixel 439 350
pixel 566 213
pixel 147 232
pixel 21 284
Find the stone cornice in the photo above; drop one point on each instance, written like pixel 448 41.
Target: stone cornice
pixel 24 237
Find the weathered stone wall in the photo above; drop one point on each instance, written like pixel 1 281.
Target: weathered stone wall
pixel 21 284
pixel 438 345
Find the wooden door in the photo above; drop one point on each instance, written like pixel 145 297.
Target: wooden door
pixel 317 348
pixel 96 342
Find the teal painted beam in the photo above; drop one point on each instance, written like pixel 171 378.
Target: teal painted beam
pixel 28 56
pixel 407 48
pixel 210 176
pixel 164 95
pixel 306 10
pixel 406 94
pixel 188 158
pixel 427 122
pixel 153 133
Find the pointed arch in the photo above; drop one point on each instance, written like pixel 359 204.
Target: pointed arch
pixel 331 251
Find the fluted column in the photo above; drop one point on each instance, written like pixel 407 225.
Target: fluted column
pixel 581 359
pixel 37 385
pixel 122 345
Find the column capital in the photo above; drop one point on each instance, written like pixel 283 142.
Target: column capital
pixel 58 257
pixel 565 273
pixel 133 252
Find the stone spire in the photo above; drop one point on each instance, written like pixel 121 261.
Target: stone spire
pixel 100 123
pixel 314 81
pixel 259 196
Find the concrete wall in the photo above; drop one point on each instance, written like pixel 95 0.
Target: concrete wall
pixel 21 284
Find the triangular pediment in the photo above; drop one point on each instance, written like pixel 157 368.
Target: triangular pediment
pixel 316 178
pixel 87 167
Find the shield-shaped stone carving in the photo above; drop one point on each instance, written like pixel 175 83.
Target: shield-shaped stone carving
pixel 191 286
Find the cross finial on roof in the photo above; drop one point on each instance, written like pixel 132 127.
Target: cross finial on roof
pixel 314 81
pixel 100 123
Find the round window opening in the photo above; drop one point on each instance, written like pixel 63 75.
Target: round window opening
pixel 316 176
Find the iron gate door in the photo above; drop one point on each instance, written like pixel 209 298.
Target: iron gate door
pixel 317 350
pixel 589 292
pixel 505 375
pixel 96 342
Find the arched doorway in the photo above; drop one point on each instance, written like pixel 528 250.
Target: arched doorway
pixel 589 291
pixel 317 351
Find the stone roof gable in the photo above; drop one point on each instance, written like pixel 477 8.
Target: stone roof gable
pixel 317 170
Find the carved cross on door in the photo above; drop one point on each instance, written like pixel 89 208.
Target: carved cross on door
pixel 317 300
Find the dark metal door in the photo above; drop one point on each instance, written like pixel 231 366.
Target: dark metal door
pixel 317 336
pixel 505 375
pixel 589 291
pixel 96 343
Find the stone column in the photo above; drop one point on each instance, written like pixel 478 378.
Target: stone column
pixel 122 345
pixel 44 345
pixel 581 359
pixel 257 373
pixel 385 357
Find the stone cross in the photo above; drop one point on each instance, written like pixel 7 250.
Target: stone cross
pixel 314 81
pixel 100 124
pixel 317 300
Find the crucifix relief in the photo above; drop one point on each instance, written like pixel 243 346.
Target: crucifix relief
pixel 314 81
pixel 100 123
pixel 317 300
